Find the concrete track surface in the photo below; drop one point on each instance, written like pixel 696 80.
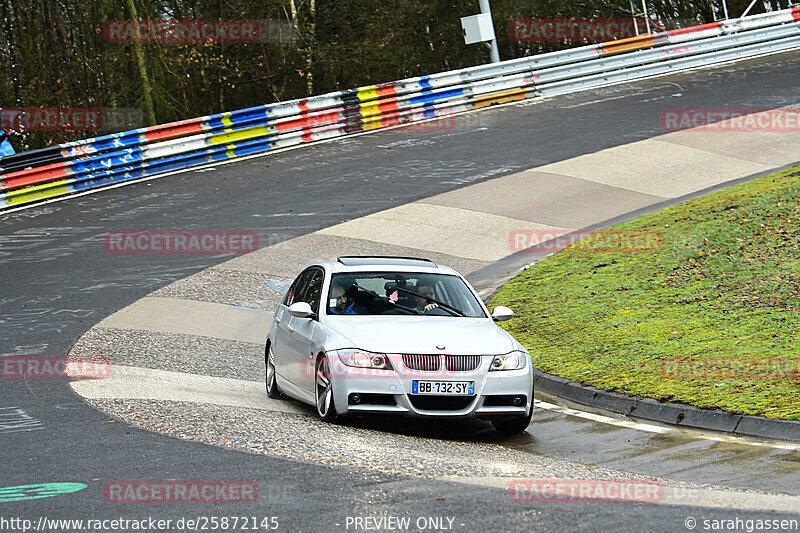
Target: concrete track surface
pixel 185 333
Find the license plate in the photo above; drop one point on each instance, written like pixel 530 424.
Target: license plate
pixel 454 388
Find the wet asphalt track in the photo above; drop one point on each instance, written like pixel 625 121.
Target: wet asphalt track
pixel 57 281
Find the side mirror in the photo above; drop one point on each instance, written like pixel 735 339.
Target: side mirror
pixel 500 313
pixel 301 310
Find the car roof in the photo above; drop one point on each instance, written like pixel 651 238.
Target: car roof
pixel 384 264
pixel 365 260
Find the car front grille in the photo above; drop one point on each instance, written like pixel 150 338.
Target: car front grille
pixel 432 363
pixel 428 363
pixel 440 403
pixel 462 363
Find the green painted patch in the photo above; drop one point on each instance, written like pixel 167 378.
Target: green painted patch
pixel 696 304
pixel 39 490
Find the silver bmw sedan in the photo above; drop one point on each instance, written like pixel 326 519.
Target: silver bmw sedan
pixel 390 335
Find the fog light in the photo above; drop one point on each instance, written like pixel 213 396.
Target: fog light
pixel 355 399
pixel 518 400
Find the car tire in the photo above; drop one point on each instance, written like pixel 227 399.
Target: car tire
pixel 513 425
pixel 271 380
pixel 323 390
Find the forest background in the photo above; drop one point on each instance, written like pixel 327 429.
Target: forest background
pixel 56 54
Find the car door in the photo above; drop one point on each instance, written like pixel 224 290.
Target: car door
pixel 281 343
pixel 304 333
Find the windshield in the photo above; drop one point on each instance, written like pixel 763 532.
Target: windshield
pixel 401 293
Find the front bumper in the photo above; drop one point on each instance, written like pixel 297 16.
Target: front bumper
pixel 389 391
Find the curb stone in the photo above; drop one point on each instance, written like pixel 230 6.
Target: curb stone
pixel 776 429
pixel 674 414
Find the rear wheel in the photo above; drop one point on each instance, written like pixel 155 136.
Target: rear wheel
pixel 271 380
pixel 323 390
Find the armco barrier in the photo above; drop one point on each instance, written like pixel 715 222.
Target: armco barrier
pixel 73 167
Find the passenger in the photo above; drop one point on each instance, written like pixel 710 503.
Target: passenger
pixel 343 304
pixel 425 288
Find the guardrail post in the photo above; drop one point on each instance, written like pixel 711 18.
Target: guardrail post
pixel 746 11
pixel 645 14
pixel 633 15
pixel 494 52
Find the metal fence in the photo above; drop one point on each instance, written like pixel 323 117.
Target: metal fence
pixel 73 167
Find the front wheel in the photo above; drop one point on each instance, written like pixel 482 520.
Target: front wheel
pixel 512 425
pixel 323 390
pixel 272 381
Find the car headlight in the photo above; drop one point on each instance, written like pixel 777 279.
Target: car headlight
pixel 363 359
pixel 509 361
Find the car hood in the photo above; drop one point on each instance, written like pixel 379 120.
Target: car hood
pixel 422 335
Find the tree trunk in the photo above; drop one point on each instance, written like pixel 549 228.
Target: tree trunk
pixel 66 53
pixel 147 98
pixel 10 31
pixel 312 44
pixel 222 87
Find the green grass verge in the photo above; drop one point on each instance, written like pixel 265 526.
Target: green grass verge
pixel 696 304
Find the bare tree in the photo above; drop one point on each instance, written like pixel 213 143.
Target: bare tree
pixel 78 91
pixel 10 32
pixel 141 65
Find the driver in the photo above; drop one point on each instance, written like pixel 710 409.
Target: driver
pixel 340 303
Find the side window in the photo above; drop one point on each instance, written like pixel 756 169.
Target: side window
pixel 314 290
pixel 297 289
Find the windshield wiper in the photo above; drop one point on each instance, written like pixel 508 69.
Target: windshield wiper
pixel 437 302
